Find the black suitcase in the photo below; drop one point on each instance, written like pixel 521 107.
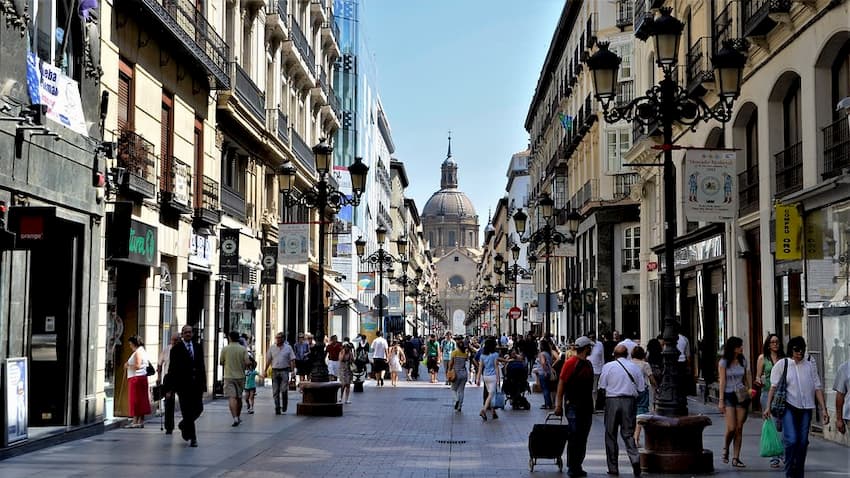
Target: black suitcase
pixel 547 440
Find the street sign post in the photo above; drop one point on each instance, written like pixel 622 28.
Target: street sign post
pixel 515 313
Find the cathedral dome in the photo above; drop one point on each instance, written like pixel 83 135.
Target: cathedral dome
pixel 449 202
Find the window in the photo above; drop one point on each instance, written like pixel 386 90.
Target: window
pixel 166 146
pixel 126 96
pixel 55 33
pixel 631 249
pixel 791 115
pixel 625 53
pixel 457 259
pixel 619 142
pixel 752 141
pixel 233 167
pixel 199 160
pixel 841 78
pixel 452 239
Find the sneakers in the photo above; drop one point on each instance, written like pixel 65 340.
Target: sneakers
pixel 250 411
pixel 277 411
pixel 193 443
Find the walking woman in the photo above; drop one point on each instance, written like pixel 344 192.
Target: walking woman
pixel 137 382
pixel 489 370
pixel 346 370
pixel 459 363
pixel 771 353
pixel 396 358
pixel 544 371
pixel 734 382
pixel 803 387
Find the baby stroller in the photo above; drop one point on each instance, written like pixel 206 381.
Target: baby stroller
pixel 516 384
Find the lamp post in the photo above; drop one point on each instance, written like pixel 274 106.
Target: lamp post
pixel 548 236
pixel 406 281
pixel 668 103
pixel 514 273
pixel 324 197
pixel 380 259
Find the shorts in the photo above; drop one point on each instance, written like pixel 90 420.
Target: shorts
pixel 380 365
pixel 233 387
pixel 333 367
pixel 731 400
pixel 304 367
pixel 433 364
pixel 642 402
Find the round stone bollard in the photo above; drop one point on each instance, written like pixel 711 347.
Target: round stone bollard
pixel 674 444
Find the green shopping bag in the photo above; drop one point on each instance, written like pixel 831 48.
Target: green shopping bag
pixel 771 442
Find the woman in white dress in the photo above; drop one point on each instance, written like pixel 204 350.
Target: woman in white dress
pixel 396 357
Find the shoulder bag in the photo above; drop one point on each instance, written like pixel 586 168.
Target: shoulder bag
pixel 498 400
pixel 149 370
pixel 777 406
pixel 637 392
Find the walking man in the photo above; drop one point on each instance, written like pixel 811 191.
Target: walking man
pixel 187 377
pixel 281 358
pixel 575 384
pixel 447 346
pixel 234 358
pixel 597 359
pixel 622 380
pixel 302 356
pixel 379 357
pixel 333 349
pixel 161 372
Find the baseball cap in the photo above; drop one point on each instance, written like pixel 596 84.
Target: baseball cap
pixel 583 342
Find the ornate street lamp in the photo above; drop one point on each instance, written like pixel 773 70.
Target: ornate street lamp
pixel 406 281
pixel 667 103
pixel 546 235
pixel 381 259
pixel 326 198
pixel 514 273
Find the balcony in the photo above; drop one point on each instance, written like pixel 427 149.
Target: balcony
pixel 249 94
pixel 727 27
pixel 789 170
pixel 761 16
pixel 625 93
pixel 276 20
pixel 625 16
pixel 207 212
pixel 589 192
pixel 640 131
pixel 278 123
pixel 700 74
pixel 748 187
pixel 590 114
pixel 643 18
pixel 333 102
pixel 233 203
pixel 320 88
pixel 836 148
pixel 185 31
pixel 136 155
pixel 623 184
pixel 319 11
pixel 302 46
pixel 330 36
pixel 175 184
pixel 303 152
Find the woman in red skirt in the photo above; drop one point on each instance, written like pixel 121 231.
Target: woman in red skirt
pixel 136 366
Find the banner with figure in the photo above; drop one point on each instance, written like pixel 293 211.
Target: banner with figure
pixel 294 243
pixel 711 185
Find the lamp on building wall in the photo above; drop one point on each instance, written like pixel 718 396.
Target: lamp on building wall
pixel 678 442
pixel 324 197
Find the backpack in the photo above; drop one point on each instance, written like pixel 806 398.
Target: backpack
pixel 361 356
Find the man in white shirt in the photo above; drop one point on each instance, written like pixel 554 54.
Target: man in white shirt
pixel 379 357
pixel 622 380
pixel 597 360
pixel 281 358
pixel 686 382
pixel 629 344
pixel 842 405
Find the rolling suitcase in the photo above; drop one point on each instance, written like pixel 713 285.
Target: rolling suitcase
pixel 547 440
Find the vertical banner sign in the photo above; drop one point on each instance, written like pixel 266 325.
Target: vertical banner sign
pixel 814 235
pixel 17 389
pixel 294 244
pixel 228 258
pixel 789 225
pixel 711 185
pixel 269 274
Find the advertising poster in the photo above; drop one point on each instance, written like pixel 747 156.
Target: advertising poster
pixel 16 399
pixel 366 282
pixel 711 185
pixel 294 243
pixel 47 85
pixel 789 227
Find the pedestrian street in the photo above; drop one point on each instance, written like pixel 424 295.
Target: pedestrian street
pixel 408 431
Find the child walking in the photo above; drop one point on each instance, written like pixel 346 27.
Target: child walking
pixel 251 385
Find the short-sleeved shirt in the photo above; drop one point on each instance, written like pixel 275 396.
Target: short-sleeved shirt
pixel 379 348
pixel 250 379
pixel 233 358
pixel 333 349
pixel 801 381
pixel 577 375
pixel 684 347
pixel 448 348
pixel 842 385
pixel 734 376
pixel 281 357
pixel 489 363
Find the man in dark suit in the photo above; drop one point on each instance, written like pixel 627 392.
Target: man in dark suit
pixel 187 378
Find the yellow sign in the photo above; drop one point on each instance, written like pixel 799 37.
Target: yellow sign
pixel 814 235
pixel 789 225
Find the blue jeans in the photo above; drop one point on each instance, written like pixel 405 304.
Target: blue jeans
pixel 795 437
pixel 579 422
pixel 544 387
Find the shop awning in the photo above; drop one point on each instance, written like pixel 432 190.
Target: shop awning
pixel 339 292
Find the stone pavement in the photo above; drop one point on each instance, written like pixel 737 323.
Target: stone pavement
pixel 409 431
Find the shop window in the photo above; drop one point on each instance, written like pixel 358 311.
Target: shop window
pixel 55 35
pixel 631 249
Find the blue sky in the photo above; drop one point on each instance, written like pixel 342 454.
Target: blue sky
pixel 469 66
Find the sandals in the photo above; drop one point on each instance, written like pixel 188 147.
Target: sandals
pixel 737 463
pixel 725 456
pixel 495 417
pixel 483 416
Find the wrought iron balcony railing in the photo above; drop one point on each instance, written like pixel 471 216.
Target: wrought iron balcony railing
pixel 699 67
pixel 625 11
pixel 789 169
pixel 249 93
pixel 303 151
pixel 623 184
pixel 759 15
pixel 175 184
pixel 836 148
pixel 207 211
pixel 302 45
pixel 748 187
pixel 136 155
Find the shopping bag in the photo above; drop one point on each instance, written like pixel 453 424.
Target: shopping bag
pixel 771 442
pixel 498 400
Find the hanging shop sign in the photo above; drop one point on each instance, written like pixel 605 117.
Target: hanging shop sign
pixel 47 85
pixel 294 245
pixel 31 225
pixel 711 185
pixel 789 227
pixel 228 257
pixel 200 250
pixel 129 240
pixel 269 274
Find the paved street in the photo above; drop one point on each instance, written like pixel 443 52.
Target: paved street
pixel 393 432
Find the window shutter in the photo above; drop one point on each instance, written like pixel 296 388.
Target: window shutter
pixel 125 96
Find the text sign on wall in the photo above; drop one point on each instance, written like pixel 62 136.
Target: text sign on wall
pixel 711 185
pixel 789 225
